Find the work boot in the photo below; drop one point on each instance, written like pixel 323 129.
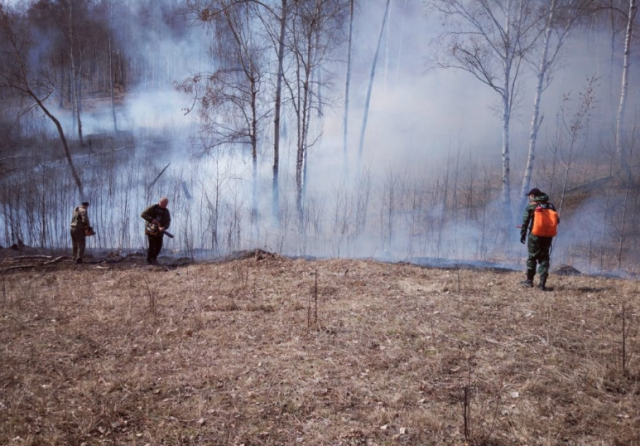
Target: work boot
pixel 543 282
pixel 529 282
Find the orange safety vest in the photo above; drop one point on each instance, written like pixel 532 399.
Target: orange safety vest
pixel 545 222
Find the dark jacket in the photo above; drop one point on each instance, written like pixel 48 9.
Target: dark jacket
pixel 529 213
pixel 155 212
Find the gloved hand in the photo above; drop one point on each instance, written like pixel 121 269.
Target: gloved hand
pixel 523 239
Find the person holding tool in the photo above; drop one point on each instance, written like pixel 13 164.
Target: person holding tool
pixel 158 220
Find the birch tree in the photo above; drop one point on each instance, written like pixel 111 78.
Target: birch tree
pixel 562 16
pixel 315 33
pixel 274 17
pixel 275 198
pixel 230 98
pixel 614 12
pixel 490 39
pixel 624 86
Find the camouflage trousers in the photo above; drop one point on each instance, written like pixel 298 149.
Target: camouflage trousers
pixel 539 254
pixel 78 242
pixel 155 246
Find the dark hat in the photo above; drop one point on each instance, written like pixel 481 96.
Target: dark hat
pixel 534 191
pixel 85 203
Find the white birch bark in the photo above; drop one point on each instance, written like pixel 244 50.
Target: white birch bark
pixel 622 156
pixel 536 120
pixel 507 102
pixel 490 40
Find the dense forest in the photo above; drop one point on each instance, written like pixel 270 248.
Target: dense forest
pixel 398 129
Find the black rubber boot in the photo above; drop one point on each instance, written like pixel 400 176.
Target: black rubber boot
pixel 529 282
pixel 543 282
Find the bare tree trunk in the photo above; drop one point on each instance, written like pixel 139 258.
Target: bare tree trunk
pixel 317 73
pixel 388 208
pixel 304 108
pixel 605 214
pixel 65 146
pixel 506 171
pixel 621 234
pixel 371 78
pixel 612 46
pixel 254 154
pixel 386 49
pixel 363 188
pixel 78 90
pixel 21 84
pixel 275 200
pixel 346 93
pixel 75 84
pixel 307 60
pixel 111 73
pixel 622 156
pixel 536 119
pixel 62 81
pixel 445 210
pixel 402 30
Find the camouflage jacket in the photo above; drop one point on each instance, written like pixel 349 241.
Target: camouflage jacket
pixel 529 212
pixel 80 218
pixel 155 212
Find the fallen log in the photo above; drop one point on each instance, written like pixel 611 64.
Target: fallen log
pixel 56 260
pixel 31 257
pixel 30 265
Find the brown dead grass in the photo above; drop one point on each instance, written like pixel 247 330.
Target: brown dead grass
pixel 223 354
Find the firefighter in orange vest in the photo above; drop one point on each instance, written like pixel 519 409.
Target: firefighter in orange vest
pixel 539 247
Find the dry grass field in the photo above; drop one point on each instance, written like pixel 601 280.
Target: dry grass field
pixel 273 351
